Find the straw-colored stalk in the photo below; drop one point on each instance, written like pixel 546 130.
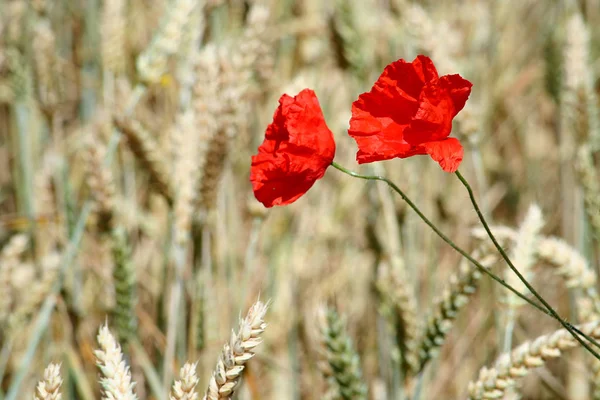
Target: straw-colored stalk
pixel 236 353
pixel 493 382
pixel 146 150
pixel 344 362
pixel 49 387
pixel 116 378
pixel 185 387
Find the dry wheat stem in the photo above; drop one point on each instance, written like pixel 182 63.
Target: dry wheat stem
pixel 236 353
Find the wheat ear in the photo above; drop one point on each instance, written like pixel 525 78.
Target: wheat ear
pixel 146 150
pixel 116 378
pixel 399 303
pixel 185 387
pixel 590 183
pixel 101 183
pixel 445 309
pixel 9 259
pixel 49 387
pixel 236 353
pixel 113 40
pixel 152 63
pixel 493 382
pixel 124 316
pixel 342 357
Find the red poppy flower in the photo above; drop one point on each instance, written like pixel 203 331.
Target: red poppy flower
pixel 297 149
pixel 409 111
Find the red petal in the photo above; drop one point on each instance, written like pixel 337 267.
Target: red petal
pixel 439 103
pixel 448 153
pixel 297 149
pixel 380 116
pixel 458 88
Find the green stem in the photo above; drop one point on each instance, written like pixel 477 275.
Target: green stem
pixel 477 264
pixel 548 307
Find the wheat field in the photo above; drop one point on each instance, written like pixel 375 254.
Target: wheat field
pixel 136 263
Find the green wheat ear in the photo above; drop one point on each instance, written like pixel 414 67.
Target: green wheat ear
pixel 342 358
pixel 124 317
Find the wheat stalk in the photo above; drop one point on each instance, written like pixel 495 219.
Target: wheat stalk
pixel 236 354
pixel 49 387
pixel 493 382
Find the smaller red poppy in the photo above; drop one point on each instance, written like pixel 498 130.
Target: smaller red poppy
pixel 408 112
pixel 297 149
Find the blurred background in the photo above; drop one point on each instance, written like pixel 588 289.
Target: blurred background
pixel 126 131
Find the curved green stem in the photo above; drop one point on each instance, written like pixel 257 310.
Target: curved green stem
pixel 548 307
pixel 573 330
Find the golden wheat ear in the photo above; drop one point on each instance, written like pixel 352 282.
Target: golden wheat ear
pixel 493 382
pixel 185 387
pixel 49 387
pixel 236 353
pixel 116 379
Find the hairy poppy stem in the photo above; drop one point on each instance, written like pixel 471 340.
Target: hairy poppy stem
pixel 546 310
pixel 548 307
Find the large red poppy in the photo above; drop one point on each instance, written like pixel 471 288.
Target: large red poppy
pixel 297 149
pixel 409 111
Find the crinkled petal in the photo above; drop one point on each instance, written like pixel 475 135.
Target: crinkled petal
pixel 379 117
pixel 297 149
pixel 458 88
pixel 439 103
pixel 448 153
